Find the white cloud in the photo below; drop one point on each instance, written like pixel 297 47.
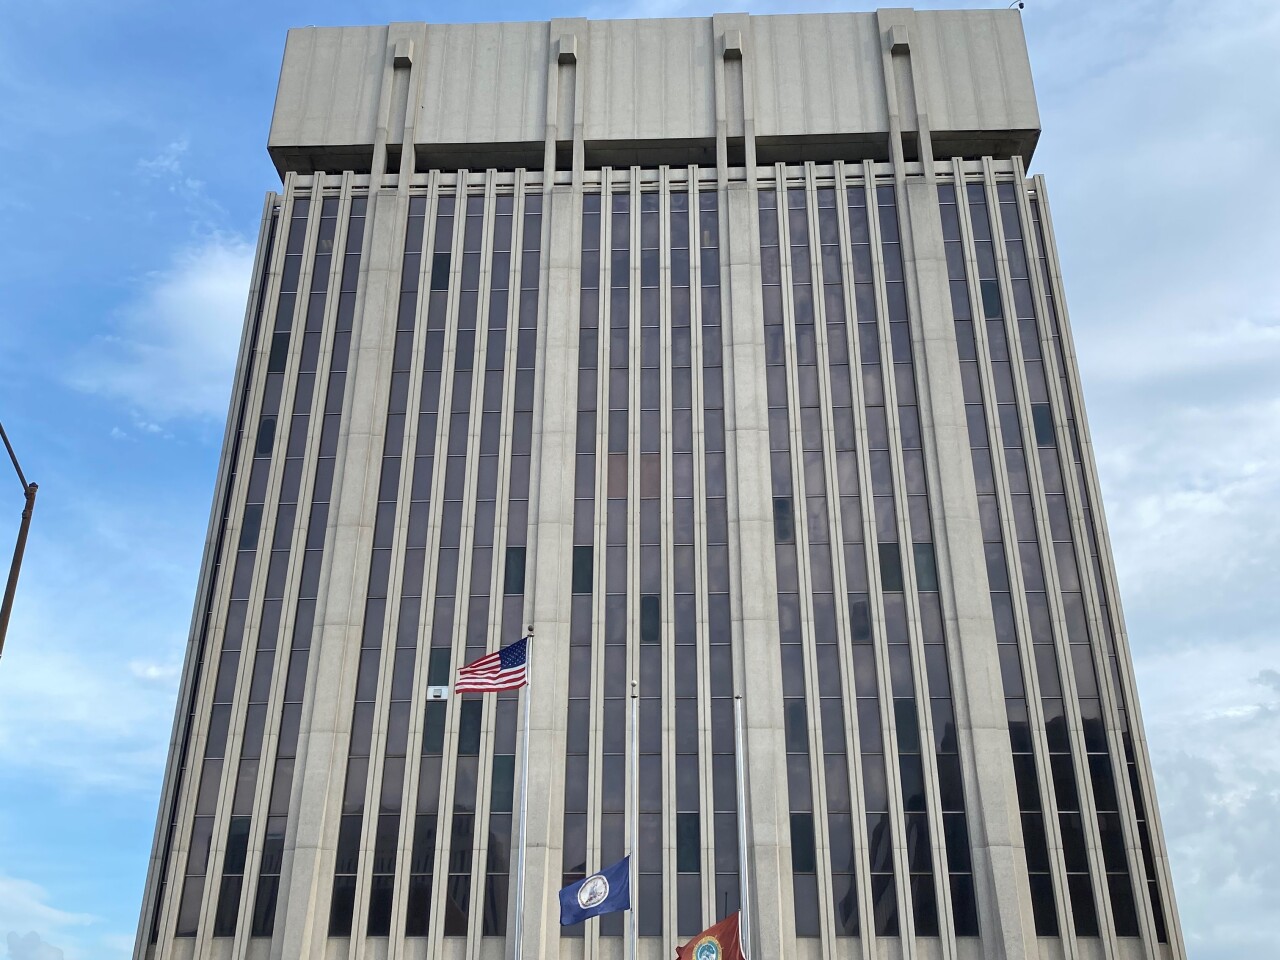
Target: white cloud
pixel 1191 481
pixel 24 907
pixel 167 168
pixel 90 668
pixel 84 721
pixel 31 947
pixel 23 903
pixel 147 670
pixel 1176 302
pixel 173 348
pixel 1215 724
pixel 36 930
pixel 167 163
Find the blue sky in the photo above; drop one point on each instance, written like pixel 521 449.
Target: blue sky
pixel 135 167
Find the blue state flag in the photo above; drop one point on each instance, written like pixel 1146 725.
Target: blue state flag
pixel 604 892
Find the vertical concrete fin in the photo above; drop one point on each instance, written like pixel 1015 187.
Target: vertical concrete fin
pixel 894 44
pixel 551 525
pixel 756 606
pixel 996 835
pixel 563 137
pixel 735 132
pixel 908 89
pixel 414 46
pixel 404 40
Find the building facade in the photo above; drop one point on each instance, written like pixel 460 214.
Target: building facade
pixel 730 354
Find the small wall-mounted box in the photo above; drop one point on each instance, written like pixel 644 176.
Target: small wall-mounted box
pixel 437 693
pixel 733 44
pixel 899 42
pixel 568 49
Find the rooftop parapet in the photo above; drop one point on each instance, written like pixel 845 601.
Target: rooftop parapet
pixel 894 84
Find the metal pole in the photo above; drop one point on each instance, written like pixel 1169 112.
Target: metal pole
pixel 29 491
pixel 634 800
pixel 744 881
pixel 12 586
pixel 524 798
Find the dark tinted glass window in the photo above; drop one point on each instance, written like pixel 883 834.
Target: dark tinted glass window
pixel 1042 418
pixel 926 567
pixel 513 582
pixel 344 899
pixel 802 851
pixel 469 728
pixel 1082 907
pixel 890 568
pixel 582 559
pixel 688 842
pixel 990 299
pixel 784 526
pixel 650 620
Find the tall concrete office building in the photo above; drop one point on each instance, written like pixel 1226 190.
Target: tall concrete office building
pixel 731 353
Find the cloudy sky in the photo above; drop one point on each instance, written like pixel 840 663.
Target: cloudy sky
pixel 133 153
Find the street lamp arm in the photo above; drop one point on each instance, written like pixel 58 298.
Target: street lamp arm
pixel 14 457
pixel 11 587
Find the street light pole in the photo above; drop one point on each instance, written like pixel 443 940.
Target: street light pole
pixel 29 491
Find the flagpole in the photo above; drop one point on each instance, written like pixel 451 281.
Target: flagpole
pixel 635 821
pixel 524 797
pixel 744 883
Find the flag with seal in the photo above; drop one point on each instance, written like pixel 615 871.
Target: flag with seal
pixel 720 941
pixel 604 892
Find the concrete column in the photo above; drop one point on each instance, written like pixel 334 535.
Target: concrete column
pixel 551 552
pixel 319 770
pixel 1000 873
pixel 755 579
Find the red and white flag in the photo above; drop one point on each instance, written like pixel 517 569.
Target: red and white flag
pixel 505 669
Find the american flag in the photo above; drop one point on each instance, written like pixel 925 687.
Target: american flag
pixel 507 669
